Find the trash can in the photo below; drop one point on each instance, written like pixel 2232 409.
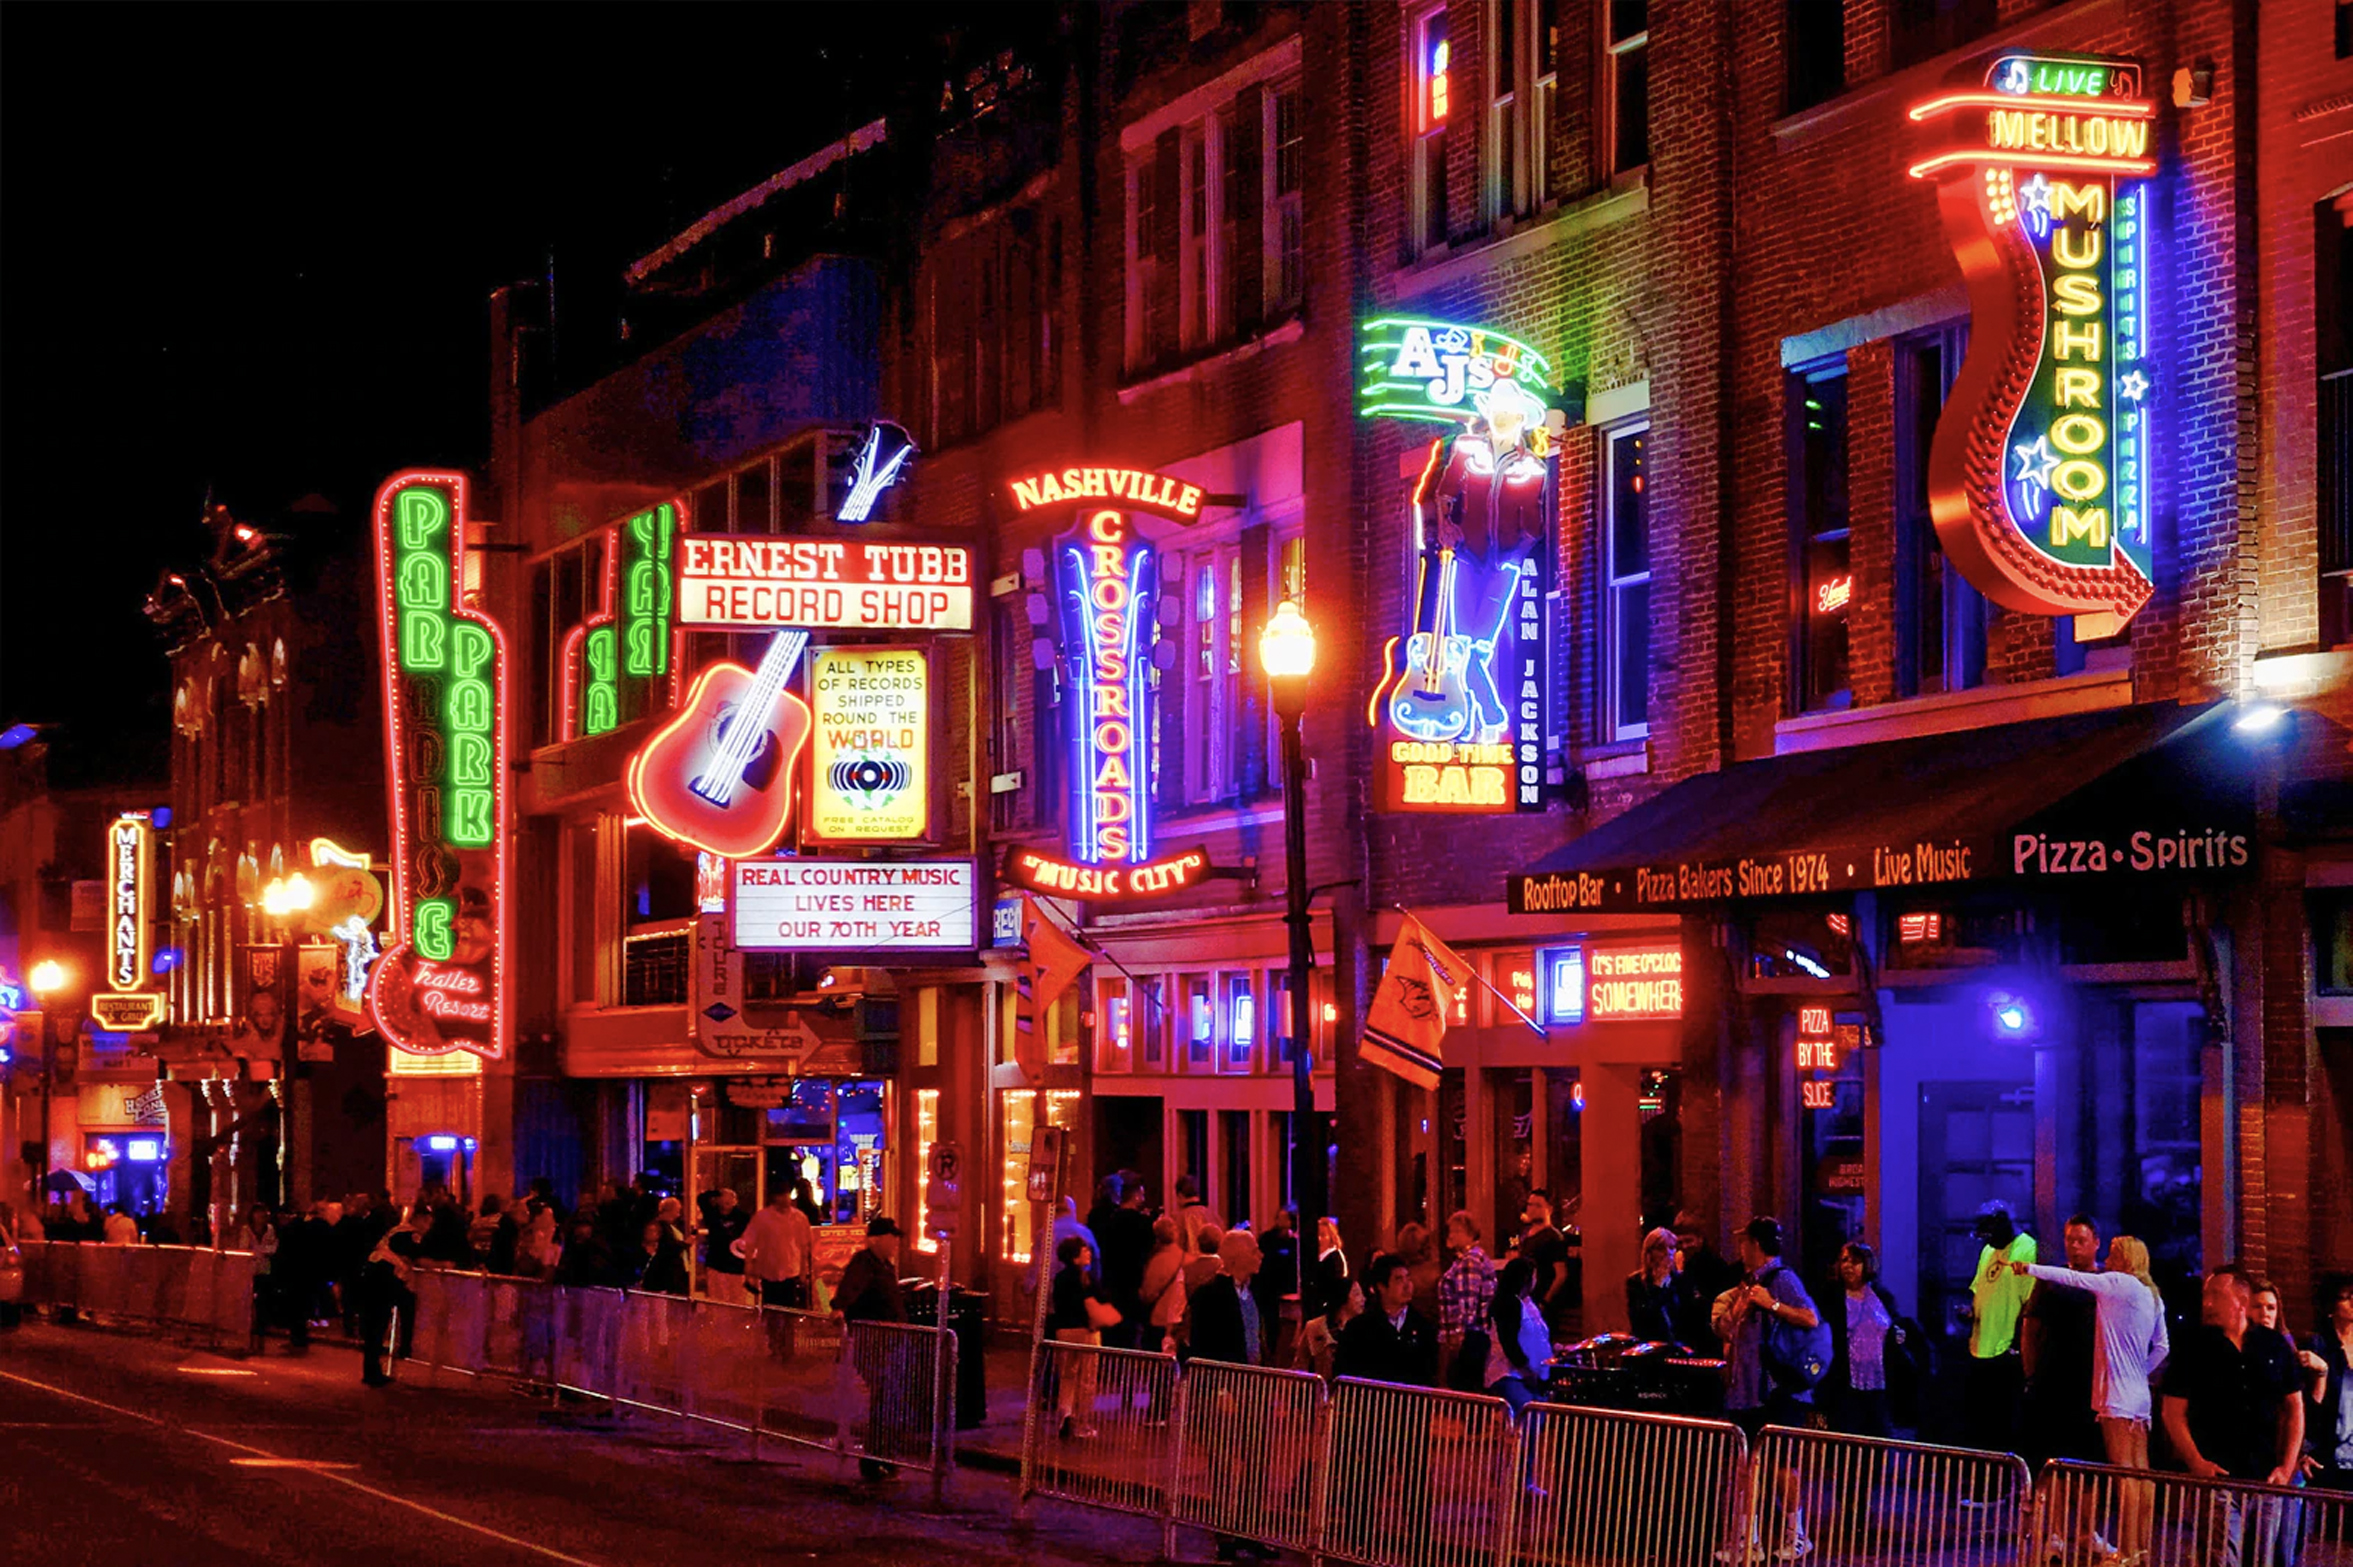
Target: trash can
pixel 968 1320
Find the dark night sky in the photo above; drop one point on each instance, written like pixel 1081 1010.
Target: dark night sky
pixel 251 248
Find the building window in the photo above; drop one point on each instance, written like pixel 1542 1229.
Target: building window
pixel 1200 1022
pixel 1922 29
pixel 1626 82
pixel 1146 307
pixel 1546 91
pixel 1433 107
pixel 1816 31
pixel 1213 697
pixel 1197 285
pixel 1625 575
pixel 1940 618
pixel 1115 1027
pixel 1822 569
pixel 1010 669
pixel 1286 181
pixel 2332 316
pixel 1504 148
pixel 1020 1129
pixel 1242 1023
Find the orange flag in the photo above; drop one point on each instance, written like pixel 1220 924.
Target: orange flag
pixel 1405 1027
pixel 1056 959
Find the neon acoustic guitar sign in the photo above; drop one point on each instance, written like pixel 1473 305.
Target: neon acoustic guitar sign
pixel 441 984
pixel 719 776
pixel 2039 478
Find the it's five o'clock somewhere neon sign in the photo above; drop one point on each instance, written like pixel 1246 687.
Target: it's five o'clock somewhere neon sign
pixel 2039 478
pixel 441 984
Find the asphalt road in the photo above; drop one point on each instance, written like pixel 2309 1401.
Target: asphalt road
pixel 117 1448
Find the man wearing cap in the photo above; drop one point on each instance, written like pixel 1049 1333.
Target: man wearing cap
pixel 869 1292
pixel 1997 1296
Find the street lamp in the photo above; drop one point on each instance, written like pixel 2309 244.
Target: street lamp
pixel 1287 649
pixel 47 978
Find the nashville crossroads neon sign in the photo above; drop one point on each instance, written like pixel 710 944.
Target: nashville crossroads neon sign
pixel 2039 480
pixel 440 985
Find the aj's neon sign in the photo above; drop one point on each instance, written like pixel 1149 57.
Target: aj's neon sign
pixel 1459 712
pixel 2039 478
pixel 441 984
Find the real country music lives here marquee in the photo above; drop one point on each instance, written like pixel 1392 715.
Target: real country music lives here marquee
pixel 441 984
pixel 1460 708
pixel 2039 479
pixel 1102 606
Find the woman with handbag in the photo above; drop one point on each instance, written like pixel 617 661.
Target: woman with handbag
pixel 1078 1314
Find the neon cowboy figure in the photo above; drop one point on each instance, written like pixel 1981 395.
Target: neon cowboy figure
pixel 1479 510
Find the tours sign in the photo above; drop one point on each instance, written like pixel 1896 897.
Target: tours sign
pixel 1460 708
pixel 2039 480
pixel 441 984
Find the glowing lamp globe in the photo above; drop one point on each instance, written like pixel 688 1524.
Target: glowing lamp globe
pixel 1287 646
pixel 48 975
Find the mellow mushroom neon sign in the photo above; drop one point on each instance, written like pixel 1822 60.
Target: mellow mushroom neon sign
pixel 2039 478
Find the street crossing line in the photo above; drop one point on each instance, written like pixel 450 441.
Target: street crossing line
pixel 326 1474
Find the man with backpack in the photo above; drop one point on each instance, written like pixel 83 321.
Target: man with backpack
pixel 1777 1348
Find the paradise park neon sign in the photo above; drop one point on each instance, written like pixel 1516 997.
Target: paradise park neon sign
pixel 441 984
pixel 2039 477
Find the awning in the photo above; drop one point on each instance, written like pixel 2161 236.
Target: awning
pixel 2110 799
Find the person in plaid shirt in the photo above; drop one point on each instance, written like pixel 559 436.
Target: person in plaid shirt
pixel 1465 1292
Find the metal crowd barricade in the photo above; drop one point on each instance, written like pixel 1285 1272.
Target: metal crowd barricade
pixel 1116 1405
pixel 906 1387
pixel 655 1368
pixel 188 1287
pixel 1251 1455
pixel 1419 1478
pixel 799 1380
pixel 1609 1486
pixel 1879 1503
pixel 2084 1513
pixel 730 1354
pixel 519 1329
pixel 588 1341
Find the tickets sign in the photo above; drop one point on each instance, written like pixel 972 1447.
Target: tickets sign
pixel 728 581
pixel 854 905
pixel 869 744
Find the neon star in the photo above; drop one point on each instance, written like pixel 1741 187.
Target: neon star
pixel 2034 204
pixel 2132 386
pixel 2036 463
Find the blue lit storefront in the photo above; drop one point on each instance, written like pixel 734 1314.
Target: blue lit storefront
pixel 2019 963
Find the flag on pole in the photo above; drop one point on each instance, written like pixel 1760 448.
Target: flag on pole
pixel 1405 1027
pixel 1055 961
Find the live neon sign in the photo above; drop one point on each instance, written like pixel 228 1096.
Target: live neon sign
pixel 2039 480
pixel 440 985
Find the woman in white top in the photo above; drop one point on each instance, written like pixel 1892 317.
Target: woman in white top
pixel 2128 1320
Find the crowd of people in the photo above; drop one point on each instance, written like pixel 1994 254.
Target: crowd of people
pixel 2077 1359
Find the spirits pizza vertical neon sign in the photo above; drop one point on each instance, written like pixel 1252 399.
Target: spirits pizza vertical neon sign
pixel 1109 585
pixel 441 984
pixel 2039 478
